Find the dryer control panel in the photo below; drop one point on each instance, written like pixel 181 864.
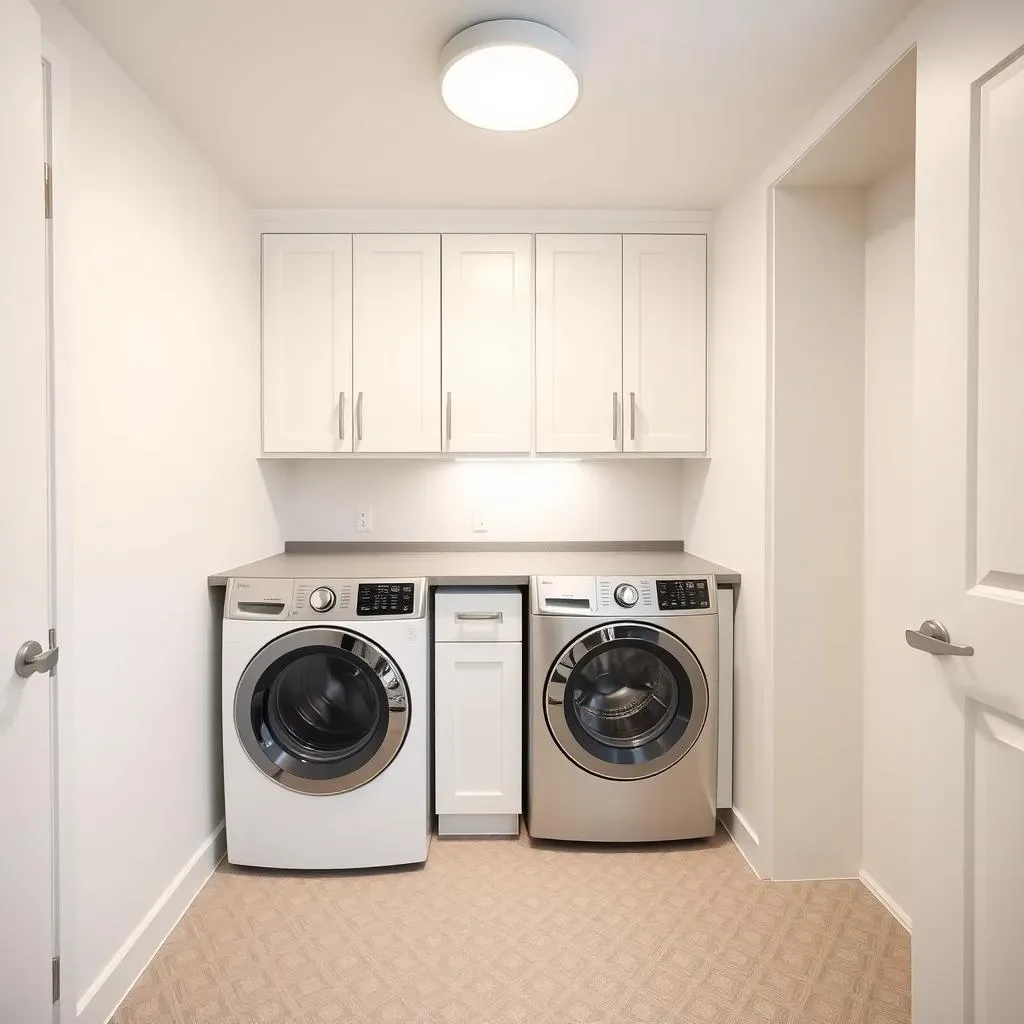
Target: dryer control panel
pixel 623 596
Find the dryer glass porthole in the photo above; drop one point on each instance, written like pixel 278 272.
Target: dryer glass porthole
pixel 626 700
pixel 322 710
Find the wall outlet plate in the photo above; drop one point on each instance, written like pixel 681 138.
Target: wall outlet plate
pixel 364 520
pixel 479 521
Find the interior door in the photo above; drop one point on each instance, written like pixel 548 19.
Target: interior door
pixel 26 852
pixel 968 910
pixel 307 343
pixel 579 343
pixel 396 339
pixel 487 324
pixel 664 343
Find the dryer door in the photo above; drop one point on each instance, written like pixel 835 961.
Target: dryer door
pixel 322 710
pixel 626 700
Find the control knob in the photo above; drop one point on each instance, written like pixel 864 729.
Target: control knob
pixel 322 599
pixel 626 595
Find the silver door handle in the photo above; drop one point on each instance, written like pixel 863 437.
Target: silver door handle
pixel 359 416
pixel 933 637
pixel 341 415
pixel 632 415
pixel 480 616
pixel 32 658
pixel 448 417
pixel 615 415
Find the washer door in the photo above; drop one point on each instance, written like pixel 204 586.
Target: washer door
pixel 322 710
pixel 626 700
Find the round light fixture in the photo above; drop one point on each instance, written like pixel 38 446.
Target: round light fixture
pixel 509 76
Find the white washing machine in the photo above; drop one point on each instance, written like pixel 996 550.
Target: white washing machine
pixel 326 714
pixel 623 708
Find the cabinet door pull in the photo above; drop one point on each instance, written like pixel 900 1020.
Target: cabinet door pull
pixel 480 616
pixel 341 415
pixel 632 415
pixel 448 417
pixel 359 416
pixel 615 415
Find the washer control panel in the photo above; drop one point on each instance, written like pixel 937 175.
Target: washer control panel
pixel 326 600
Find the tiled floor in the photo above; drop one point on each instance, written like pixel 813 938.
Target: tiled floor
pixel 505 930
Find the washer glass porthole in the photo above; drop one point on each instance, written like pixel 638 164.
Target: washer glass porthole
pixel 322 710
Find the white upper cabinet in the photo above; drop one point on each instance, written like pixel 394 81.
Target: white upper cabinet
pixel 307 343
pixel 579 343
pixel 396 336
pixel 664 343
pixel 487 337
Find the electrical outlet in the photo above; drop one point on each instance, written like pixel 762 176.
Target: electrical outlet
pixel 479 521
pixel 364 520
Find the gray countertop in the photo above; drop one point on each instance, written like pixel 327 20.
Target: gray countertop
pixel 456 564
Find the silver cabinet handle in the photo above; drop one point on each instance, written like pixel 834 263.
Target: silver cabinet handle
pixel 32 658
pixel 615 415
pixel 480 616
pixel 933 637
pixel 359 416
pixel 448 417
pixel 341 415
pixel 632 415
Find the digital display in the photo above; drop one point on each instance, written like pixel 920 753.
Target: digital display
pixel 679 595
pixel 386 599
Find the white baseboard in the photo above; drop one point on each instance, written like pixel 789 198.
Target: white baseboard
pixel 743 836
pixel 885 899
pixel 115 981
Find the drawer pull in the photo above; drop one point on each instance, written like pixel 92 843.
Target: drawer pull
pixel 480 616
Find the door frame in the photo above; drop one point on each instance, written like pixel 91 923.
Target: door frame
pixel 62 436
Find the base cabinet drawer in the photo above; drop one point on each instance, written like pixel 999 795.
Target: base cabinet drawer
pixel 478 707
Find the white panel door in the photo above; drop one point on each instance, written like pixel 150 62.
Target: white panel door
pixel 307 343
pixel 968 909
pixel 397 342
pixel 487 342
pixel 478 709
pixel 579 343
pixel 664 342
pixel 26 851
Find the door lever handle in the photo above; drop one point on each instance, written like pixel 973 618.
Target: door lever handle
pixel 32 658
pixel 933 638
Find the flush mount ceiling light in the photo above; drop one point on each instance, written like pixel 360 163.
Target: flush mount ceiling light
pixel 509 76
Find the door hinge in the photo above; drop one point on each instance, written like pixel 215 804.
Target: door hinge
pixel 48 191
pixel 56 979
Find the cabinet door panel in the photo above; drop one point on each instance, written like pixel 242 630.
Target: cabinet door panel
pixel 579 343
pixel 307 343
pixel 478 703
pixel 487 337
pixel 664 342
pixel 397 342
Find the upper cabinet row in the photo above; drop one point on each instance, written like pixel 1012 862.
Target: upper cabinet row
pixel 486 344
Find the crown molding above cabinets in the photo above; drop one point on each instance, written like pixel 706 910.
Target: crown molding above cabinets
pixel 430 344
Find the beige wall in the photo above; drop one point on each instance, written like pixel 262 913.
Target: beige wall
pixel 888 424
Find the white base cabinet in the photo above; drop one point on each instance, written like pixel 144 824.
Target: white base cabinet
pixel 478 711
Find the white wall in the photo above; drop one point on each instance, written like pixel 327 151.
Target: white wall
pixel 421 500
pixel 888 532
pixel 158 390
pixel 723 499
pixel 817 530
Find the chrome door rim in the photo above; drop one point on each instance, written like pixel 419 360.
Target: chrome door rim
pixel 578 649
pixel 388 676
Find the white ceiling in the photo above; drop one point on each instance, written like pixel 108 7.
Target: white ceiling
pixel 874 137
pixel 335 103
